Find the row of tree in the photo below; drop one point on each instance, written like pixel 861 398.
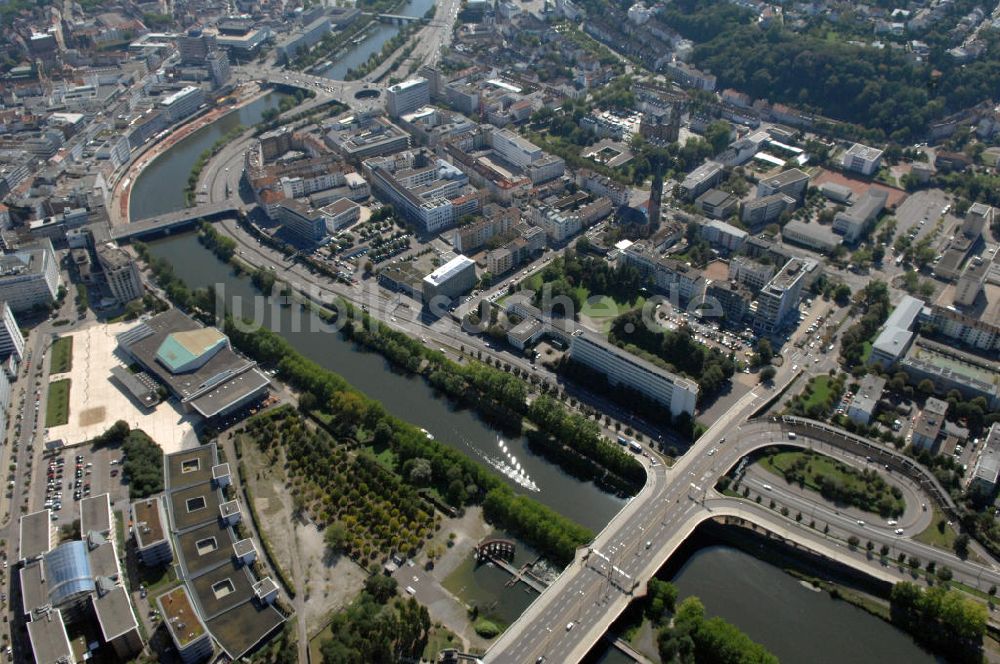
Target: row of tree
pixel 377 628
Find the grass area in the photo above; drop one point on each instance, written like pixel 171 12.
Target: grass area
pixel 158 579
pixel 438 639
pixel 835 480
pixel 315 642
pixel 866 353
pixel 604 309
pixel 944 538
pixel 820 393
pixel 57 405
pixel 62 356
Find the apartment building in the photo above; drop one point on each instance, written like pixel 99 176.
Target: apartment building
pixel 623 369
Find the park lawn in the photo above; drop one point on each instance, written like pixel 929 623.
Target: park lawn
pixel 57 405
pixel 931 535
pixel 62 356
pixel 439 639
pixel 820 392
pixel 821 466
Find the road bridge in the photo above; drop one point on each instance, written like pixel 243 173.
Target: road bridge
pixel 572 614
pixel 172 221
pixel 399 19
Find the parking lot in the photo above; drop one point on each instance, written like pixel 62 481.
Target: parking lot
pixel 69 475
pixel 918 214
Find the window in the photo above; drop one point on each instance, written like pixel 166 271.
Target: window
pixel 207 545
pixel 223 588
pixel 195 504
pixel 190 465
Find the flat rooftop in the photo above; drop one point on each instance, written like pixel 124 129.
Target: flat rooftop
pixel 95 514
pixel 205 547
pixel 194 506
pixel 148 526
pixel 36 534
pixel 34 591
pixel 178 613
pixel 49 641
pixel 114 613
pixel 222 588
pixel 241 628
pixel 190 467
pixel 103 561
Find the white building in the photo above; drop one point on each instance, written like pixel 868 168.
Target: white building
pixel 29 276
pixel 624 369
pixel 862 159
pixel 407 96
pixel 182 103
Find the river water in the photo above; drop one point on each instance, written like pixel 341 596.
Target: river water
pixel 795 623
pixel 373 41
pixel 160 188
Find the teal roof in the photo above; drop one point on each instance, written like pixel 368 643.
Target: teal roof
pixel 180 349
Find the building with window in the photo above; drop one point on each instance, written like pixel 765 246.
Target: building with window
pixel 778 300
pixel 862 159
pixel 864 403
pixel 11 339
pixel 120 273
pixel 407 96
pixel 182 103
pixel 897 333
pixel 29 276
pixel 621 368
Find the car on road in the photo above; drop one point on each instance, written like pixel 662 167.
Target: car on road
pixel 570 625
pixel 898 531
pixel 767 487
pixel 860 522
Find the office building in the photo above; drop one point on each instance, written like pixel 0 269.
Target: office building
pixel 896 335
pixel 701 179
pixel 182 103
pixel 194 46
pixel 949 368
pixel 217 64
pixel 792 182
pixel 766 209
pixel 778 300
pixel 11 339
pixel 862 159
pixel 855 221
pixel 623 369
pixel 120 273
pixel 186 629
pixel 424 188
pixel 29 276
pixel 717 204
pixel 454 278
pixel 407 96
pixel 361 138
pixel 307 224
pixel 49 641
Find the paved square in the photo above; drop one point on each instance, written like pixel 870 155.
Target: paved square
pixel 96 401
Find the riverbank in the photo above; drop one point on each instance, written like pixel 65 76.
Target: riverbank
pixel 121 196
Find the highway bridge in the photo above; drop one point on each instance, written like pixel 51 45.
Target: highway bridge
pixel 172 221
pixel 576 610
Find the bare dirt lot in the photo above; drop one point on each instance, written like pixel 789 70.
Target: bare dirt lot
pixel 325 584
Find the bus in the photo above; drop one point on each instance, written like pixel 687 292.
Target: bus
pixel 634 446
pixel 623 441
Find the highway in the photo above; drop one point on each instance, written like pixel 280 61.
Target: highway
pixel 566 621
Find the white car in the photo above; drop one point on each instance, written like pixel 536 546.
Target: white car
pixel 898 531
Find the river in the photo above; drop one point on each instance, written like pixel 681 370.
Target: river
pixel 373 40
pixel 160 188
